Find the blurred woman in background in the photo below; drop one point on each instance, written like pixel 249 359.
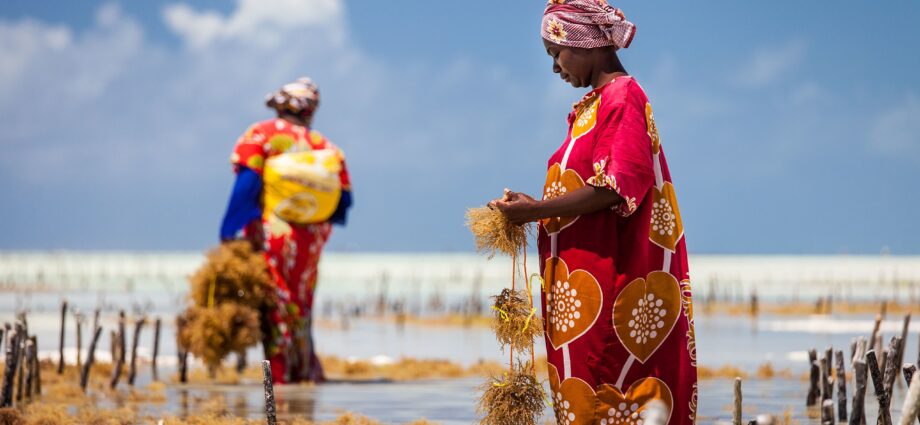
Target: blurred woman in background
pixel 291 187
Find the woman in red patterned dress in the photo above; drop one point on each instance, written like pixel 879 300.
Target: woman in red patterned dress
pixel 290 221
pixel 617 307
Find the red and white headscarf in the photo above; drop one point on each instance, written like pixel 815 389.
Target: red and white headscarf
pixel 586 24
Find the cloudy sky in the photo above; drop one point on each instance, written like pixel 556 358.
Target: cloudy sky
pixel 790 127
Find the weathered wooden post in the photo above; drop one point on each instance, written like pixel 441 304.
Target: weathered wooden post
pixel 860 373
pixel 911 408
pixel 156 348
pixel 891 365
pixel 903 347
pixel 813 390
pixel 841 388
pixel 37 383
pixel 28 369
pixel 824 383
pixel 78 320
pixel 90 358
pixel 827 382
pixel 9 373
pixel 132 372
pixel 61 347
pixel 120 363
pixel 884 414
pixel 182 350
pixel 270 392
pixel 22 332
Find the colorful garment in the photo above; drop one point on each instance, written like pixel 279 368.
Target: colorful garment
pixel 291 250
pixel 586 24
pixel 617 308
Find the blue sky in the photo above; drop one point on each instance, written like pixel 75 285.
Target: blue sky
pixel 790 127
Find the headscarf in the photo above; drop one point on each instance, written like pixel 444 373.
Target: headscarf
pixel 300 98
pixel 586 24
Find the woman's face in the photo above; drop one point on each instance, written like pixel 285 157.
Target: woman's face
pixel 574 65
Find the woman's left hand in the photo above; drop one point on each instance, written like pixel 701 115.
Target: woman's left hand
pixel 519 208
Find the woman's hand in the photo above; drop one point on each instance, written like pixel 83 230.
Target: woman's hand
pixel 519 208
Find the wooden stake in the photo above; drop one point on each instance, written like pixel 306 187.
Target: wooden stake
pixel 860 373
pixel 270 392
pixel 21 333
pixel 61 347
pixel 37 383
pixel 841 388
pixel 903 346
pixel 132 372
pixel 827 382
pixel 28 369
pixel 90 358
pixel 182 351
pixel 78 320
pixel 813 391
pixel 156 348
pixel 908 370
pixel 6 391
pixel 823 382
pixel 884 414
pixel 891 365
pixel 911 408
pixel 120 363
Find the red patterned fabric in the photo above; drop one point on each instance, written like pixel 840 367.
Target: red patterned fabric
pixel 586 24
pixel 617 299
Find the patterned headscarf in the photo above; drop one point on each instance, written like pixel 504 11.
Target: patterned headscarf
pixel 586 24
pixel 299 98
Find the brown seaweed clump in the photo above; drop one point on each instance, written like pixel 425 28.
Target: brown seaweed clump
pixel 235 273
pixel 494 233
pixel 515 398
pixel 11 416
pixel 515 322
pixel 211 334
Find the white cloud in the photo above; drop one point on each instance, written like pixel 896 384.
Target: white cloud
pixel 897 131
pixel 769 64
pixel 260 21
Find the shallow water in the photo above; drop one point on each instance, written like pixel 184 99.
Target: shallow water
pixel 153 285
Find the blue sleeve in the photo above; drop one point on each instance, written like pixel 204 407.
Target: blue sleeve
pixel 340 216
pixel 244 205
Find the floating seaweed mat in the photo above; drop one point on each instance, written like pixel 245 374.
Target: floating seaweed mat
pixel 514 323
pixel 494 233
pixel 233 272
pixel 513 398
pixel 211 334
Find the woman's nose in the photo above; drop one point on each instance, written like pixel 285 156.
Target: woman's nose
pixel 556 68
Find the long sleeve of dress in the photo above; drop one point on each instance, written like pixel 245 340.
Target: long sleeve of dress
pixel 244 205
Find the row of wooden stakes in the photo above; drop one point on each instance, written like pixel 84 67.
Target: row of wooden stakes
pixel 868 359
pixel 21 375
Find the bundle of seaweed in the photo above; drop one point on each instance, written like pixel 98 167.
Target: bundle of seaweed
pixel 233 273
pixel 513 398
pixel 211 334
pixel 514 323
pixel 494 233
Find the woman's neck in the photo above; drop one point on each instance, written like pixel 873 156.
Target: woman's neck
pixel 293 119
pixel 608 69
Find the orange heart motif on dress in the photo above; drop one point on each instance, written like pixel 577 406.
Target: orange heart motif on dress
pixel 573 302
pixel 585 116
pixel 573 400
pixel 616 408
pixel 652 129
pixel 645 312
pixel 666 228
pixel 559 183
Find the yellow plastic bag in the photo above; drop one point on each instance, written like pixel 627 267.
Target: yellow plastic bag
pixel 302 187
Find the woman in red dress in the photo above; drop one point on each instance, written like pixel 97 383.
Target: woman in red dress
pixel 617 306
pixel 291 187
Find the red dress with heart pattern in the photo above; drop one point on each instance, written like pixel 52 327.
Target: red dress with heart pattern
pixel 617 307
